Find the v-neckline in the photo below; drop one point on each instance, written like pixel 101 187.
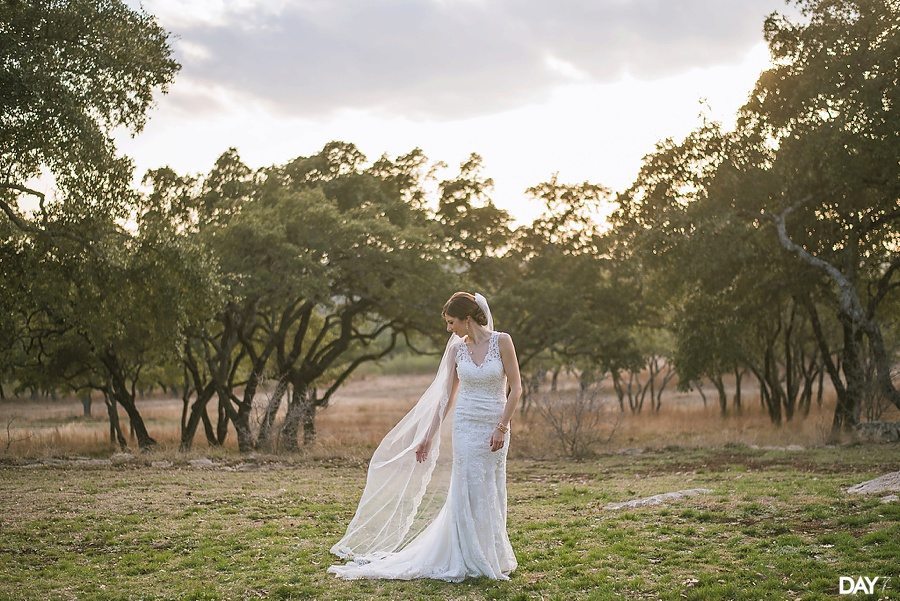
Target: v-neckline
pixel 486 353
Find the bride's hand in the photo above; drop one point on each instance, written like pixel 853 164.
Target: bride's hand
pixel 497 439
pixel 422 450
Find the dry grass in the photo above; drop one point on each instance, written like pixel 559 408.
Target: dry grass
pixel 370 405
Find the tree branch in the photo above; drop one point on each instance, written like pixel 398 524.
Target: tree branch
pixel 420 352
pixel 849 299
pixel 884 286
pixel 16 219
pixel 323 401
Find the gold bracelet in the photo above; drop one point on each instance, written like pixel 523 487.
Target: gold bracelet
pixel 502 428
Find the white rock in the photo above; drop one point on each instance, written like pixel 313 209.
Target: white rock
pixel 202 462
pixel 886 483
pixel 657 499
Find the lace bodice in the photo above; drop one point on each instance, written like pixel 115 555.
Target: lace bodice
pixel 485 381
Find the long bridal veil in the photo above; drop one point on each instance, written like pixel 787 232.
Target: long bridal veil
pixel 402 496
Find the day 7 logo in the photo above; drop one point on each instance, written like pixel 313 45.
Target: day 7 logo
pixel 850 585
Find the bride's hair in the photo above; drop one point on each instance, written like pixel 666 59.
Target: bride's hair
pixel 461 305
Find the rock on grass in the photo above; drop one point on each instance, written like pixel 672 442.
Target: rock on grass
pixel 658 499
pixel 886 483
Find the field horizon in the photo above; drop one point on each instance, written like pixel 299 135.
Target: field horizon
pixel 368 405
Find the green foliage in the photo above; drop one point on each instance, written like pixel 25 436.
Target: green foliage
pixel 817 141
pixel 70 73
pixel 567 302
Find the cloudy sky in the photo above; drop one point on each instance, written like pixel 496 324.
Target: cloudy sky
pixel 579 87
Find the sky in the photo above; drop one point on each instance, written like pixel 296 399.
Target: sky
pixel 582 88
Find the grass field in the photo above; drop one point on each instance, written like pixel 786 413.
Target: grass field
pixel 777 525
pixel 80 521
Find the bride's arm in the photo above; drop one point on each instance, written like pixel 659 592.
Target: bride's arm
pixel 511 367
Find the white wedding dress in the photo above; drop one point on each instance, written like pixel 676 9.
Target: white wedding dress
pixel 468 536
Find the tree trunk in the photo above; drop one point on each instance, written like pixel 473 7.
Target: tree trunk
pixel 301 411
pixel 138 429
pixel 882 362
pixel 738 374
pixel 197 414
pixel 775 397
pixel 265 440
pixel 791 379
pixel 221 423
pixel 309 419
pixel 86 403
pixel 211 437
pixel 699 385
pixel 820 388
pixel 834 371
pixel 617 386
pixel 121 393
pixel 767 396
pixel 723 396
pixel 846 413
pixel 667 377
pixel 642 389
pixel 115 430
pixel 632 399
pixel 811 371
pixel 240 418
pixel 185 407
pixel 295 413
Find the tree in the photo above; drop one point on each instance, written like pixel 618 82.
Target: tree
pixel 830 184
pixel 326 262
pixel 564 298
pixel 815 154
pixel 82 314
pixel 71 73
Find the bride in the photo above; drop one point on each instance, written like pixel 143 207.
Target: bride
pixel 434 504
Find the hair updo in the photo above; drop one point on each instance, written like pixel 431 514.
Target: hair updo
pixel 462 305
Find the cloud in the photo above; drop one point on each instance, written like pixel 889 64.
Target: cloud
pixel 444 60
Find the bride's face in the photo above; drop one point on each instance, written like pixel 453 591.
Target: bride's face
pixel 456 326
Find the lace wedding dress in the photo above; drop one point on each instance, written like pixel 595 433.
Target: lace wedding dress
pixel 468 536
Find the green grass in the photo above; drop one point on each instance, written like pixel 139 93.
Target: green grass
pixel 776 526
